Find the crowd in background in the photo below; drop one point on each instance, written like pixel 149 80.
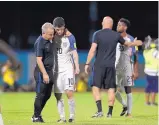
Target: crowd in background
pixel 150 52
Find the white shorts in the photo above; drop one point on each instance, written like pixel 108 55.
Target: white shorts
pixel 64 81
pixel 124 75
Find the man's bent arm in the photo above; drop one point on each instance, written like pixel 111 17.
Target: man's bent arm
pixel 135 43
pixel 91 53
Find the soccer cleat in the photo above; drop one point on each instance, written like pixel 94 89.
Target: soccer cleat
pixel 71 120
pixel 61 121
pixel 37 119
pixel 109 115
pixel 98 115
pixel 124 111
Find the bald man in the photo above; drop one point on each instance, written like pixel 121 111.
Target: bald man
pixel 104 75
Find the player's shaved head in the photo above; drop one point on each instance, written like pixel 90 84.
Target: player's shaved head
pixel 107 22
pixel 107 19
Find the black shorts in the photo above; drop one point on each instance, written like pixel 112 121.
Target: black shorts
pixel 104 77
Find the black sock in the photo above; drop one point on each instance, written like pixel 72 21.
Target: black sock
pixel 99 105
pixel 110 109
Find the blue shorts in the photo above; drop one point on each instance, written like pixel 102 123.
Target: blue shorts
pixel 152 84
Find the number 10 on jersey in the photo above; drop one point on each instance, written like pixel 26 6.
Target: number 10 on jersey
pixel 59 50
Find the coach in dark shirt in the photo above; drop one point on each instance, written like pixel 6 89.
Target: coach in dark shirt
pixel 104 74
pixel 43 71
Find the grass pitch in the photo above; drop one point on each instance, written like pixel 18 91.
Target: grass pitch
pixel 17 109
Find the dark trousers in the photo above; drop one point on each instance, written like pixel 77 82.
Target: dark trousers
pixel 43 91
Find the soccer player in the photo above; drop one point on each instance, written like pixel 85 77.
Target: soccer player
pixel 104 74
pixel 43 73
pixel 126 71
pixel 64 74
pixel 7 50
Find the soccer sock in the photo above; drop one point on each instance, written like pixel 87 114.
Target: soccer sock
pixel 129 102
pixel 71 104
pixel 110 109
pixel 1 120
pixel 99 105
pixel 60 106
pixel 120 99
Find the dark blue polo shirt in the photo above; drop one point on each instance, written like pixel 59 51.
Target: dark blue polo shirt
pixel 44 48
pixel 106 40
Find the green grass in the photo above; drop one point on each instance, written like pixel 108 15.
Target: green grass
pixel 17 109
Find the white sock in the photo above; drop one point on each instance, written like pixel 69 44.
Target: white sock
pixel 60 106
pixel 1 120
pixel 71 104
pixel 129 102
pixel 120 98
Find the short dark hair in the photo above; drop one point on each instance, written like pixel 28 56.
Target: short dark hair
pixel 58 22
pixel 125 21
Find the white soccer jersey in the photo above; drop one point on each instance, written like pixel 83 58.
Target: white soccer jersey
pixel 123 53
pixel 62 51
pixel 123 63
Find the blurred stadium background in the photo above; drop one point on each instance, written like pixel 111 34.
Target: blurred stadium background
pixel 20 25
pixel 21 22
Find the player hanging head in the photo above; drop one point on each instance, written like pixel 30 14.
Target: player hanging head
pixel 65 59
pixel 59 26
